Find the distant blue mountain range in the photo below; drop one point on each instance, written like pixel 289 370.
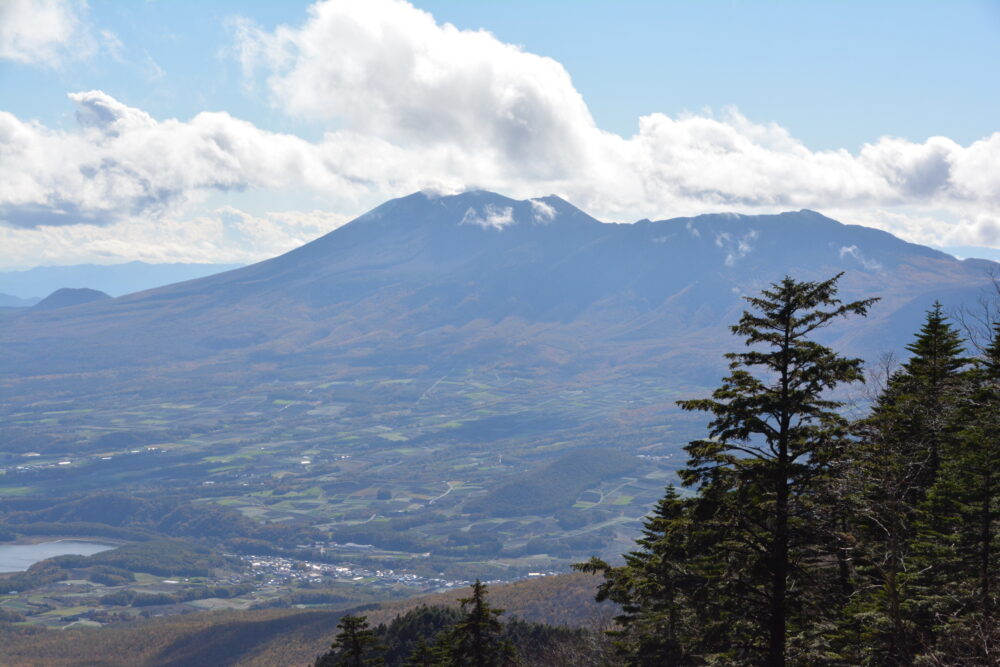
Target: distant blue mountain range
pixel 113 279
pixel 973 252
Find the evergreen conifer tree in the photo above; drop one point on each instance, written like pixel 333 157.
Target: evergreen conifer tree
pixel 477 639
pixel 958 533
pixel 927 384
pixel 903 507
pixel 425 655
pixel 730 575
pixel 356 645
pixel 770 440
pixel 656 589
pixel 886 479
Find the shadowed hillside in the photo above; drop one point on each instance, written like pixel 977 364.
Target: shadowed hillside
pixel 273 638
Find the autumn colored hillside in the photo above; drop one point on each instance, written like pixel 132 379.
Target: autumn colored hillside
pixel 275 637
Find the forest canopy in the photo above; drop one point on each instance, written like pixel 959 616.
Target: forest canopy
pixel 802 537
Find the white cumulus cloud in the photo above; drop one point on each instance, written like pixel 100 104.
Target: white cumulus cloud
pixel 122 163
pixel 414 104
pixel 513 120
pixel 389 70
pixel 43 32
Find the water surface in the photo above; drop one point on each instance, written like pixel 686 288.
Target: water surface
pixel 19 557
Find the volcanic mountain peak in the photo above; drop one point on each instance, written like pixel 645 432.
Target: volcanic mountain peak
pixel 427 277
pixel 475 208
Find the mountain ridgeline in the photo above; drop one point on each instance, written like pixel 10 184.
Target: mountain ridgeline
pixel 447 388
pixel 113 279
pixel 478 279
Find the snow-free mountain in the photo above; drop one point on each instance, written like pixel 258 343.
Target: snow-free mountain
pixel 65 297
pixel 425 283
pixel 113 279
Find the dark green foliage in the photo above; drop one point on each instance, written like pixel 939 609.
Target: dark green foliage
pixel 572 519
pixel 477 639
pixel 554 486
pixel 447 637
pixel 741 573
pixel 130 598
pixel 809 541
pixel 903 507
pixel 444 636
pixel 113 509
pixel 956 544
pixel 82 530
pixel 927 387
pixel 411 637
pixel 122 598
pixel 656 625
pixel 424 655
pixel 773 435
pixel 355 645
pixel 388 533
pixel 114 567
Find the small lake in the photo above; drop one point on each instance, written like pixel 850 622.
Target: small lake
pixel 19 557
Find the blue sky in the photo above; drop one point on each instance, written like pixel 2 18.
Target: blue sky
pixel 826 105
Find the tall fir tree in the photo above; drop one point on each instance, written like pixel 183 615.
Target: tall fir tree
pixel 771 438
pixel 900 523
pixel 928 383
pixel 885 481
pixel 810 542
pixel 477 639
pixel 958 533
pixel 657 589
pixel 356 645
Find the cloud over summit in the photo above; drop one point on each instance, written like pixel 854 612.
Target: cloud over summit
pixel 409 104
pixel 388 69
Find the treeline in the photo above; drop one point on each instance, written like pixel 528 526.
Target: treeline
pixel 438 636
pixel 808 539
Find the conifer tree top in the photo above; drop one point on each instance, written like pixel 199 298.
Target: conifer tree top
pixel 937 349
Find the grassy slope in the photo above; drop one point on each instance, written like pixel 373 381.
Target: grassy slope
pixel 270 638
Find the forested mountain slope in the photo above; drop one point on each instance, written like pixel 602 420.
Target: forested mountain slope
pixel 427 282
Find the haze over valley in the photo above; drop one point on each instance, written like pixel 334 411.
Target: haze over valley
pixel 465 385
pixel 322 323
